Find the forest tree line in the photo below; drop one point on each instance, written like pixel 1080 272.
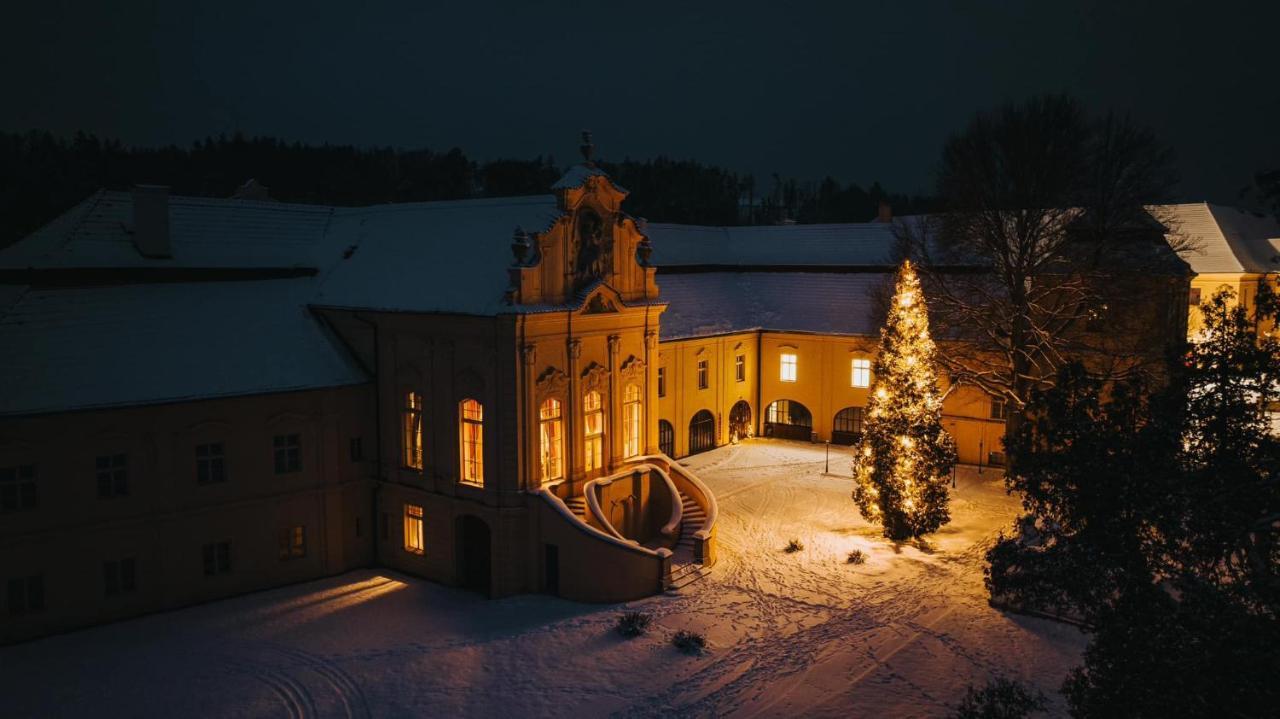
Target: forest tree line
pixel 42 175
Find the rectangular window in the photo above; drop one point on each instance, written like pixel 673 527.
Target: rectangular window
pixel 788 367
pixel 119 577
pixel 1193 297
pixel 217 558
pixel 471 431
pixel 702 374
pixel 551 438
pixel 740 368
pixel 861 373
pixel 288 449
pixel 113 476
pixel 413 529
pixel 411 431
pixel 357 449
pixel 211 467
pixel 631 421
pixel 999 409
pixel 25 595
pixel 662 381
pixel 293 542
pixel 593 431
pixel 17 488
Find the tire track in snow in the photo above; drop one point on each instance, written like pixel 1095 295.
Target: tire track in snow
pixel 344 686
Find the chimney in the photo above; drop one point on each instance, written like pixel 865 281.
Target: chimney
pixel 884 213
pixel 151 221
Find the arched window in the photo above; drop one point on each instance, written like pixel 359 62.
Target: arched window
pixel 411 431
pixel 593 431
pixel 552 437
pixel 471 432
pixel 631 421
pixel 847 426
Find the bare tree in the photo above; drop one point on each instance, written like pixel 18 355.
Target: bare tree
pixel 1046 228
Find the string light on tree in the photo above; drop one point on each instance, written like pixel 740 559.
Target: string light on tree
pixel 901 466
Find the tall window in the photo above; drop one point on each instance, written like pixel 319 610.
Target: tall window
pixel 593 430
pixel 113 476
pixel 472 435
pixel 662 381
pixel 293 542
pixel 702 374
pixel 217 558
pixel 17 488
pixel 631 421
pixel 740 368
pixel 788 373
pixel 999 409
pixel 551 431
pixel 210 463
pixel 411 431
pixel 288 450
pixel 413 529
pixel 861 373
pixel 119 577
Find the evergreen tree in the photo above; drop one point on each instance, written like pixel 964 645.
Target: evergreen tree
pixel 900 467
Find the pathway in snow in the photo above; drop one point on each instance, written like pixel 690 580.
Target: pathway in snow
pixel 801 634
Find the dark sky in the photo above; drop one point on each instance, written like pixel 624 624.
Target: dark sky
pixel 861 91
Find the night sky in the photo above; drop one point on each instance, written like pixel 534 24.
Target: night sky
pixel 861 91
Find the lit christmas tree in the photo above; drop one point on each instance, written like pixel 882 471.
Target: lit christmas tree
pixel 900 467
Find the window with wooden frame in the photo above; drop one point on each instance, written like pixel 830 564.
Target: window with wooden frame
pixel 860 374
pixel 740 368
pixel 210 463
pixel 413 539
pixel 17 488
pixel 112 472
pixel 288 453
pixel 471 437
pixel 631 414
pixel 593 431
pixel 551 439
pixel 411 431
pixel 662 381
pixel 703 374
pixel 293 542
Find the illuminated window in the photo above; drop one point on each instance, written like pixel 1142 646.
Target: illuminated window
pixel 210 464
pixel 25 594
pixel 740 368
pixel 17 488
pixel 702 374
pixel 413 529
pixel 411 431
pixel 288 450
pixel 472 437
pixel 631 421
pixel 861 373
pixel 217 558
pixel 293 542
pixel 113 476
pixel 1193 296
pixel 551 432
pixel 593 431
pixel 662 381
pixel 788 373
pixel 119 577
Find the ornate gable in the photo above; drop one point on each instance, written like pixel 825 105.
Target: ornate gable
pixel 592 242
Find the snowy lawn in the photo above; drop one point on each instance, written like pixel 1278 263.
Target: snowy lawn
pixel 789 634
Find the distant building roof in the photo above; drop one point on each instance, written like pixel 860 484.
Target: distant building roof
pixel 1225 239
pixel 84 348
pixel 867 244
pixel 713 303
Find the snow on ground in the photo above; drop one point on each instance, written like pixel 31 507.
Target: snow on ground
pixel 801 634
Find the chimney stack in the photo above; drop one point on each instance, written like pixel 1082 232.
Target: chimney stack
pixel 884 213
pixel 151 221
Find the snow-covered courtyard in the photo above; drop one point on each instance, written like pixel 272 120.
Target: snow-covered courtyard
pixel 789 634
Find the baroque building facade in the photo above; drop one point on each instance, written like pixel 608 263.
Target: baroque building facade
pixel 205 397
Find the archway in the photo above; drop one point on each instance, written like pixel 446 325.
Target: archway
pixel 666 438
pixel 740 420
pixel 702 432
pixel 787 419
pixel 472 542
pixel 847 427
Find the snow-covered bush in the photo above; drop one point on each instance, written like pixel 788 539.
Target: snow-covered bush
pixel 632 624
pixel 1000 699
pixel 689 642
pixel 793 546
pixel 857 556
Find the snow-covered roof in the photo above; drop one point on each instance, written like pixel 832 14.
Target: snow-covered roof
pixel 577 176
pixel 447 257
pixel 713 303
pixel 81 348
pixel 1224 239
pixel 204 232
pixel 866 244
